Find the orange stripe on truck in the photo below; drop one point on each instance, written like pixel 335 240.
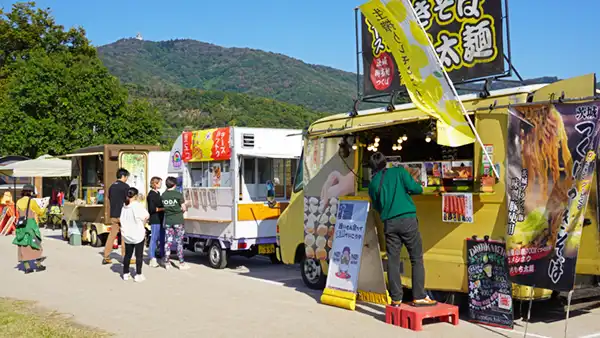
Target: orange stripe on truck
pixel 260 212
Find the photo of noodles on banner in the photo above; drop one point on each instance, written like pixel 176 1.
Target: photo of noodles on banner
pixel 550 167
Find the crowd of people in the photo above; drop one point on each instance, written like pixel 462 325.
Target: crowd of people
pixel 128 217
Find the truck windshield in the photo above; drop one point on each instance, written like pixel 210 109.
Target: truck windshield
pixel 299 178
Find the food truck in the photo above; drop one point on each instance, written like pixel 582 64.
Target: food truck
pixel 236 182
pixel 94 169
pixel 461 198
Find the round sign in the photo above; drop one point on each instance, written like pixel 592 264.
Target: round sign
pixel 382 72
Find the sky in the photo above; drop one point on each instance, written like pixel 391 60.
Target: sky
pixel 548 37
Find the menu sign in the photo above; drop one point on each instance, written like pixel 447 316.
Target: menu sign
pixel 490 291
pixel 457 207
pixel 348 238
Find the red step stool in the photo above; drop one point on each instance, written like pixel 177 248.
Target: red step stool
pixel 411 317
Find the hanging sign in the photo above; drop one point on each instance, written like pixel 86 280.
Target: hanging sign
pixel 211 145
pixel 490 291
pixel 457 207
pixel 186 146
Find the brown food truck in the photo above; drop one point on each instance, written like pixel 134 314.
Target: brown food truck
pixel 94 169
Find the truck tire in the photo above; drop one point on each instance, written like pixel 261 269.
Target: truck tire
pixel 95 239
pixel 312 274
pixel 217 257
pixel 65 231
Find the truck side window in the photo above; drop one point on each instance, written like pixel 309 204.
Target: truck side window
pixel 299 177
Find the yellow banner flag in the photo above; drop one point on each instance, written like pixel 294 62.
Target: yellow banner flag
pixel 422 74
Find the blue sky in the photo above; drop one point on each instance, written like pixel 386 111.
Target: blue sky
pixel 551 37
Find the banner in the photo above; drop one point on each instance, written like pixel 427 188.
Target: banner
pixel 490 291
pixel 467 36
pixel 186 146
pixel 550 167
pixel 428 87
pixel 211 145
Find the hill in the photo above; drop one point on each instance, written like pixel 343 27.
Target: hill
pixel 195 64
pixel 201 109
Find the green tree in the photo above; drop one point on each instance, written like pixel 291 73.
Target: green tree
pixel 56 95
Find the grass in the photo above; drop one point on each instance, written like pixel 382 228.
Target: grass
pixel 24 319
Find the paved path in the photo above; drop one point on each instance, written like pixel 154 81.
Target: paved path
pixel 251 299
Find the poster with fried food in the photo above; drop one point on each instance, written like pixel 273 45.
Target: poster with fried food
pixel 550 167
pixel 417 171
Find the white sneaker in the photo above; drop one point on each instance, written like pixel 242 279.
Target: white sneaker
pixel 153 263
pixel 139 278
pixel 183 266
pixel 126 277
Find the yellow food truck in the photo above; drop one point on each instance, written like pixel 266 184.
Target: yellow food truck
pixel 331 169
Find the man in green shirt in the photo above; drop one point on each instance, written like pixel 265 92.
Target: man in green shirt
pixel 174 207
pixel 390 191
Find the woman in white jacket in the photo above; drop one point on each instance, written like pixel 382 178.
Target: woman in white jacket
pixel 133 217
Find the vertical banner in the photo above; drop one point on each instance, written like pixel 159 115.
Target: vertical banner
pixel 551 165
pixel 176 156
pixel 186 145
pixel 467 36
pixel 422 74
pixel 346 253
pixel 490 291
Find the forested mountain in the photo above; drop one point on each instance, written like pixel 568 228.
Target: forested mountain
pixel 200 65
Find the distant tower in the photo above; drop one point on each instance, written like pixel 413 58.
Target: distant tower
pixel 139 36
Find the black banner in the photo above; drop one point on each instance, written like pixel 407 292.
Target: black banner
pixel 490 291
pixel 467 35
pixel 550 169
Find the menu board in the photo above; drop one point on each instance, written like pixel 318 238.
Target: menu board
pixel 415 169
pixel 458 170
pixel 348 238
pixel 457 207
pixel 490 291
pixel 433 172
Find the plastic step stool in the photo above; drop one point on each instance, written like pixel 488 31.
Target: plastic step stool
pixel 393 315
pixel 412 317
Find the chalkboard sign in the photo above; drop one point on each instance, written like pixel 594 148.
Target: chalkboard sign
pixel 490 291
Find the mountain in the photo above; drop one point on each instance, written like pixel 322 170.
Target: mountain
pixel 194 64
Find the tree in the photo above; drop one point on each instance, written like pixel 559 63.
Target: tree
pixel 56 95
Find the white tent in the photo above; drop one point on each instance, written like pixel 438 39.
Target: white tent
pixel 43 166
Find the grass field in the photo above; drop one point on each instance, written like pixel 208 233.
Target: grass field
pixel 24 319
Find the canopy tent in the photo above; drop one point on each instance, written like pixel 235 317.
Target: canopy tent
pixel 43 166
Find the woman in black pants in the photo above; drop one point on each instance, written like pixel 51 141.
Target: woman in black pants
pixel 133 217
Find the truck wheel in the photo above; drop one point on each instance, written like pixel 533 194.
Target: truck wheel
pixel 65 231
pixel 95 240
pixel 217 257
pixel 273 258
pixel 312 274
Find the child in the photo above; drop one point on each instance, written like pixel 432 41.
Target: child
pixel 174 207
pixel 155 208
pixel 133 217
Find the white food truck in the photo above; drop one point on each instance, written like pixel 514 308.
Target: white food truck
pixel 236 182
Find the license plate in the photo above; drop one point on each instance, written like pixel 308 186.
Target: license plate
pixel 266 249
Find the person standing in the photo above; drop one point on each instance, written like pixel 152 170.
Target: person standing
pixel 390 191
pixel 28 238
pixel 117 194
pixel 133 218
pixel 156 211
pixel 174 207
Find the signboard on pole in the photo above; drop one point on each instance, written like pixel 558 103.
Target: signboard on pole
pixel 346 252
pixel 490 291
pixel 551 164
pixel 467 36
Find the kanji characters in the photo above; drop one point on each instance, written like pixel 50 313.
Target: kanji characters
pixel 422 8
pixel 442 9
pixel 377 44
pixel 468 9
pixel 447 51
pixel 477 41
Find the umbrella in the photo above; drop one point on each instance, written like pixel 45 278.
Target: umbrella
pixel 43 166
